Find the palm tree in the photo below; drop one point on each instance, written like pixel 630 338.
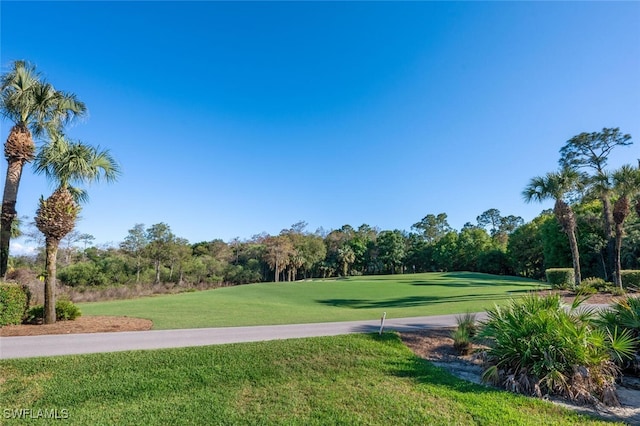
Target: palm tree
pixel 601 187
pixel 67 164
pixel 626 182
pixel 557 186
pixel 33 106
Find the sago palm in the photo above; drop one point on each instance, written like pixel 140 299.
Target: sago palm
pixel 557 186
pixel 626 182
pixel 67 164
pixel 33 106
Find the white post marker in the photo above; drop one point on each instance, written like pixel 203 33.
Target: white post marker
pixel 384 315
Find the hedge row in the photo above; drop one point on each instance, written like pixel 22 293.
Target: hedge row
pixel 560 277
pixel 14 301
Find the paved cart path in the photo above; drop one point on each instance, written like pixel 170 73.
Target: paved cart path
pixel 69 344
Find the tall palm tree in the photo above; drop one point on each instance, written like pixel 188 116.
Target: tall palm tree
pixel 557 186
pixel 67 164
pixel 601 187
pixel 626 182
pixel 33 106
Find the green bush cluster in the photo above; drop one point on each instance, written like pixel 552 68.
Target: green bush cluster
pixel 66 310
pixel 538 347
pixel 560 277
pixel 593 285
pixel 630 278
pixel 14 300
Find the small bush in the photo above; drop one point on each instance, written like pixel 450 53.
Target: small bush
pixel 468 323
pixel 65 311
pixel 630 278
pixel 462 341
pixel 595 282
pixel 464 334
pixel 14 300
pixel 616 291
pixel 585 290
pixel 560 277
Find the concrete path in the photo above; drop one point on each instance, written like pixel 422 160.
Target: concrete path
pixel 69 344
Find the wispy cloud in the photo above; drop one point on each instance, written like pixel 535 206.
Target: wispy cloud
pixel 18 249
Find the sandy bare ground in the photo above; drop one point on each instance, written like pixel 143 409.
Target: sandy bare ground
pixel 89 324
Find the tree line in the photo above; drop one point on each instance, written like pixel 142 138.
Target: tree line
pixel 493 244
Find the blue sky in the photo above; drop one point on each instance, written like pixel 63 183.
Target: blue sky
pixel 232 119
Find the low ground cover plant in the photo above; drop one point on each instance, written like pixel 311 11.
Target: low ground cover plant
pixel 538 346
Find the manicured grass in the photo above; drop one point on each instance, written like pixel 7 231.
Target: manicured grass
pixel 354 379
pixel 355 298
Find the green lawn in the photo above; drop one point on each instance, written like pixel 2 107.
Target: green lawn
pixel 354 380
pixel 355 298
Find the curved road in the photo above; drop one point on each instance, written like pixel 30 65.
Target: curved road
pixel 71 344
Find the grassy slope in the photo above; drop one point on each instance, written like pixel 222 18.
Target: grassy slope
pixel 355 298
pixel 355 379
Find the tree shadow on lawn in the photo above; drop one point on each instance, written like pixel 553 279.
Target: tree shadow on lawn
pixel 424 372
pixel 412 301
pixel 468 283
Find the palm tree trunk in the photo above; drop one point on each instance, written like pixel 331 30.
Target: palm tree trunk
pixel 18 149
pixel 14 173
pixel 617 276
pixel 607 214
pixel 50 281
pixel 575 256
pixel 564 215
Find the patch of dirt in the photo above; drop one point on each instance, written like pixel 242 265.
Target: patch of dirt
pixel 436 346
pixel 88 324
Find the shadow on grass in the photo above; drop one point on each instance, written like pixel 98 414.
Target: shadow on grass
pixel 410 301
pixel 424 372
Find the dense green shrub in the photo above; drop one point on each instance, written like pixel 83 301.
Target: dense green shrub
pixel 538 347
pixel 560 277
pixel 630 278
pixel 66 310
pixel 14 300
pixel 624 316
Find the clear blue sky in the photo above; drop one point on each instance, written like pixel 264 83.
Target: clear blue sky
pixel 232 119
